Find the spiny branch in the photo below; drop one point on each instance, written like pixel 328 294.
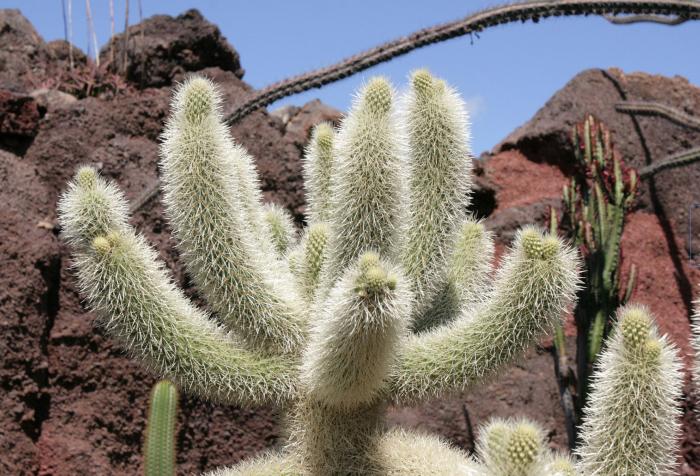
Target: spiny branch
pixel 475 23
pixel 679 159
pixel 660 19
pixel 657 109
pixel 533 10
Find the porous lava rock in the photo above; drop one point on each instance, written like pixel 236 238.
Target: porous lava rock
pixel 162 46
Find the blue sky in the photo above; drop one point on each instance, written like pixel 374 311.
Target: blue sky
pixel 504 76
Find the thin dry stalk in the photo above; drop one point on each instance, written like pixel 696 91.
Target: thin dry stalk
pixel 70 33
pixel 91 33
pixel 111 27
pixel 126 38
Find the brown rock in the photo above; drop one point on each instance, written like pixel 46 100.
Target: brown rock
pixel 23 53
pixel 19 121
pixel 59 50
pixel 162 46
pixel 29 288
pixel 641 140
pixel 298 122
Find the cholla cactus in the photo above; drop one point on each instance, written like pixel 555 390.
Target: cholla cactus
pixel 387 297
pixel 631 423
pixel 516 448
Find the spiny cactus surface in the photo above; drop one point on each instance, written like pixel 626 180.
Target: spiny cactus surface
pixel 159 448
pixel 387 296
pixel 631 423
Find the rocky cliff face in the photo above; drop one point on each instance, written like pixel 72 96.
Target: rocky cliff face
pixel 72 403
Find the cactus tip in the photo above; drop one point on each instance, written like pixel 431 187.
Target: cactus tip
pixel 101 245
pixel 635 327
pixel 86 177
pixel 524 445
pixel 198 98
pixel 378 96
pixel 532 243
pixel 324 136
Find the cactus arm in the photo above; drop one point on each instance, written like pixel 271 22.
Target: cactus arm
pixel 537 281
pixel 622 434
pixel 314 255
pixel 156 323
pixel 367 194
pixel 281 228
pixel 318 172
pixel 159 454
pixel 354 338
pixel 272 463
pixel 402 452
pixel 439 164
pixel 398 452
pixel 139 305
pixel 210 200
pixel 467 280
pixel 306 259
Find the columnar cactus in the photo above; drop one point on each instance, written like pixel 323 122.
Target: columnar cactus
pixel 387 297
pixel 695 342
pixel 596 202
pixel 159 447
pixel 631 423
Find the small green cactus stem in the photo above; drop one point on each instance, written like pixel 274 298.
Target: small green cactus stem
pixel 281 226
pixel 695 342
pixel 366 188
pixel 159 453
pixel 211 197
pixel 631 423
pixel 439 162
pixel 318 170
pixel 307 257
pixel 512 448
pixel 532 288
pixel 468 274
pixel 138 304
pixel 354 337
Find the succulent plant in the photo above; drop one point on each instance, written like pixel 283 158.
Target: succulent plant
pixel 596 201
pixel 387 297
pixel 159 447
pixel 632 423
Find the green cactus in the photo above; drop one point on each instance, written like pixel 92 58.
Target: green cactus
pixel 159 450
pixel 388 297
pixel 596 202
pixel 695 342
